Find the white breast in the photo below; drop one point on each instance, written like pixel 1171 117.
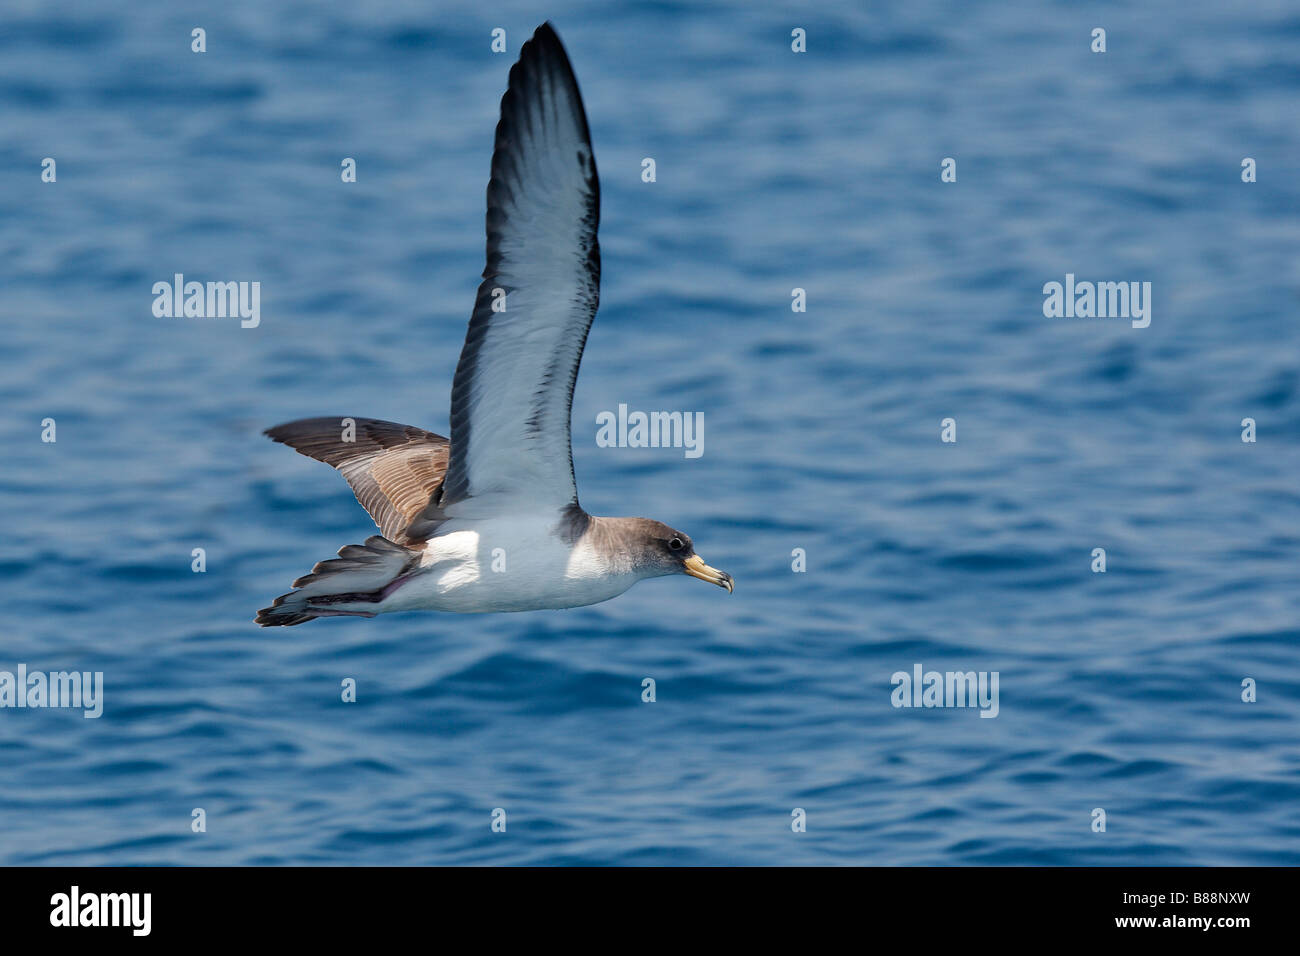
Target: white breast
pixel 506 564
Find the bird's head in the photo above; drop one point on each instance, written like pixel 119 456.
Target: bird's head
pixel 668 551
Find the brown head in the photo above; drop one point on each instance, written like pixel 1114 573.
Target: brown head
pixel 652 549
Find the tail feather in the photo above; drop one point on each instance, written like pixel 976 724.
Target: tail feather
pixel 361 576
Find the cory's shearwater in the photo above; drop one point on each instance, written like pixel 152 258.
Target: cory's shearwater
pixel 490 520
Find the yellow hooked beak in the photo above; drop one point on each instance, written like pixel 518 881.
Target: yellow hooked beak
pixel 696 568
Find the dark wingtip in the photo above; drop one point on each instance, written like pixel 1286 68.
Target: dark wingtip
pixel 547 41
pixel 286 430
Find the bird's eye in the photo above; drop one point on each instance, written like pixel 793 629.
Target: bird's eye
pixel 676 544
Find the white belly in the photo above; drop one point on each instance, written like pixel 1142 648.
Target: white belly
pixel 505 564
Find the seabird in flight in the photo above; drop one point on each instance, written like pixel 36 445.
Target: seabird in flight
pixel 490 520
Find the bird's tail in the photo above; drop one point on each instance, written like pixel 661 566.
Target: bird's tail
pixel 354 584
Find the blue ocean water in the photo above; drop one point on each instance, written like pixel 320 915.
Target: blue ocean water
pixel 774 171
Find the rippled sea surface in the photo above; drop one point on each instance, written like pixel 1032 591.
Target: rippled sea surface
pixel 775 171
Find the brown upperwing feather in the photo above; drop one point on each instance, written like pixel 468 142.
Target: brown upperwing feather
pixel 392 469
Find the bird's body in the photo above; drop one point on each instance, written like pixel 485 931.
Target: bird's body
pixel 507 563
pixel 489 520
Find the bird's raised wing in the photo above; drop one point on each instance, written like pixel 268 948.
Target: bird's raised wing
pixel 393 469
pixel 513 391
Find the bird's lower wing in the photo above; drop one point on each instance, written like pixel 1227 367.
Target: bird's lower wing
pixel 392 469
